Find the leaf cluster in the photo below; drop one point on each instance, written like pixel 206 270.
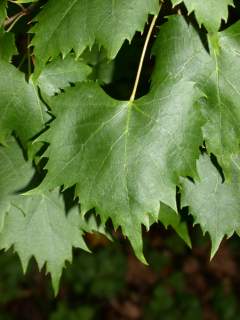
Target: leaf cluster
pixel 134 162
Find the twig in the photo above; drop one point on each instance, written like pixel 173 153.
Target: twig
pixel 10 22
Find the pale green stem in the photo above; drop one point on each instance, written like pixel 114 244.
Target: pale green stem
pixel 133 95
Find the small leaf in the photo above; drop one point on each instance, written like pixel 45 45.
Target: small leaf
pixel 3 11
pixel 21 108
pixel 59 73
pixel 208 12
pixel 15 174
pixel 216 74
pixel 102 67
pixel 222 108
pixel 7 46
pixel 91 225
pixel 215 205
pixel 37 226
pixel 180 53
pixel 169 217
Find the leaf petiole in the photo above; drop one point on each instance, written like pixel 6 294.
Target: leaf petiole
pixel 139 71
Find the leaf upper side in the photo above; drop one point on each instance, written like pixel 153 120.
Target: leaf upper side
pixel 76 24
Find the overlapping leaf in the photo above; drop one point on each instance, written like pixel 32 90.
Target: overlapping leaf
pixel 7 46
pixel 37 226
pixel 60 73
pixel 169 218
pixel 180 53
pixel 208 12
pixel 64 25
pixel 3 11
pixel 20 106
pixel 215 205
pixel 217 75
pixel 222 110
pixel 102 67
pixel 15 174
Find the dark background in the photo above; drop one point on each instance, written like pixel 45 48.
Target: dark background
pixel 111 283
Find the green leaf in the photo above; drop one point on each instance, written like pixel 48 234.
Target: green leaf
pixel 215 205
pixel 102 67
pixel 3 11
pixel 59 73
pixel 169 217
pixel 91 225
pixel 37 226
pixel 21 108
pixel 222 108
pixel 76 24
pixel 7 46
pixel 15 174
pixel 180 53
pixel 208 12
pixel 125 157
pixel 217 75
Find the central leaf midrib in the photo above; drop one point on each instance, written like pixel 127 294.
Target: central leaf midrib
pixel 129 112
